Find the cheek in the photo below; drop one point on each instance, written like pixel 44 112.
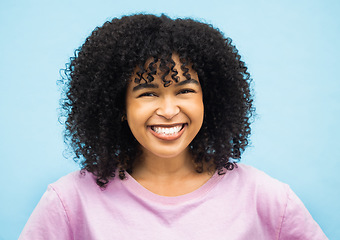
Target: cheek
pixel 199 108
pixel 137 115
pixel 130 114
pixel 195 111
pixel 200 114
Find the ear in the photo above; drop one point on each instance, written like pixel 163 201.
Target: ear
pixel 123 118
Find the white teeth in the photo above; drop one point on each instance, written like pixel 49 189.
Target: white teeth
pixel 167 131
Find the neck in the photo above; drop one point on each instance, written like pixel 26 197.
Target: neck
pixel 169 176
pixel 156 167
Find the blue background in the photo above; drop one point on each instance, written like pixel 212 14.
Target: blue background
pixel 291 49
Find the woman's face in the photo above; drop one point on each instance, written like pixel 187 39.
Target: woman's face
pixel 165 120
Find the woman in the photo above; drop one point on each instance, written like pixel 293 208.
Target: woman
pixel 158 113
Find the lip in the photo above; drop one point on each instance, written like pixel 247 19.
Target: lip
pixel 170 137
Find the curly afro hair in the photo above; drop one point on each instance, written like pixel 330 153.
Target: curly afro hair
pixel 95 84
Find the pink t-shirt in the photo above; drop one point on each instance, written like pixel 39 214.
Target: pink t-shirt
pixel 242 204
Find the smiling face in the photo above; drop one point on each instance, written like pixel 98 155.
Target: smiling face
pixel 165 120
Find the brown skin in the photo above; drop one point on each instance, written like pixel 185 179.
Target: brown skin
pixel 166 166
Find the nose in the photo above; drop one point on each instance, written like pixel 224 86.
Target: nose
pixel 168 108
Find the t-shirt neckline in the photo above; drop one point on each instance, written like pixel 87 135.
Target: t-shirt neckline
pixel 137 189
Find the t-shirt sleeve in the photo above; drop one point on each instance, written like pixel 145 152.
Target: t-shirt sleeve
pixel 49 220
pixel 297 223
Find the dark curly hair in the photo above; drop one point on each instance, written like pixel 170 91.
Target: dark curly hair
pixel 95 81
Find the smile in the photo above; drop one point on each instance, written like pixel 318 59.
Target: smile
pixel 168 132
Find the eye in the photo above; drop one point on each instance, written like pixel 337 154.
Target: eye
pixel 186 91
pixel 148 94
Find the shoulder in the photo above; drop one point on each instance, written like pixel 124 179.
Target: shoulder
pixel 273 203
pixel 263 187
pixel 246 176
pixel 263 196
pixel 57 208
pixel 251 172
pixel 74 187
pixel 76 179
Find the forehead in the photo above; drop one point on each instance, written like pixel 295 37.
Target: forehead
pixel 165 71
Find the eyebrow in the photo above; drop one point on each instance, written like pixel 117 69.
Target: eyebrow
pixel 152 85
pixel 145 85
pixel 188 81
